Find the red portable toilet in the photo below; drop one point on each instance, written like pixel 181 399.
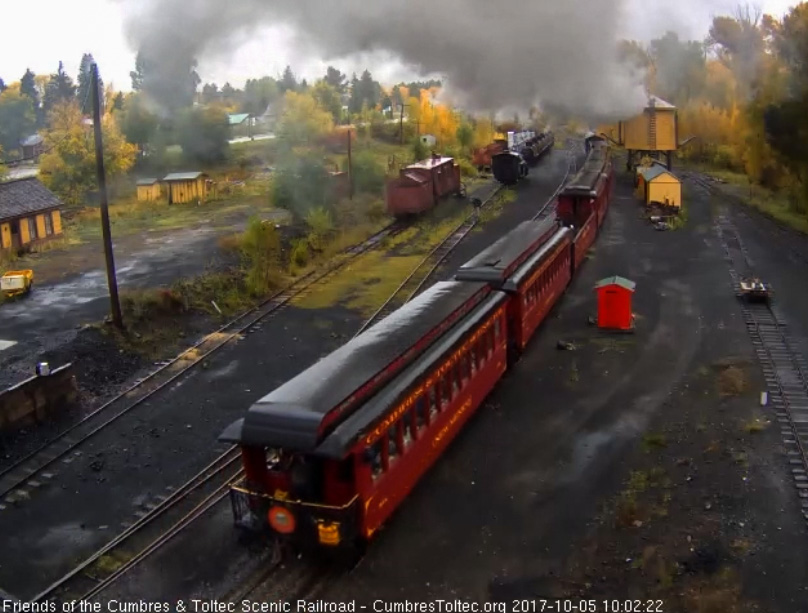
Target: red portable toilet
pixel 614 303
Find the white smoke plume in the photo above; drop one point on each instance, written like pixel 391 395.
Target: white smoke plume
pixel 493 54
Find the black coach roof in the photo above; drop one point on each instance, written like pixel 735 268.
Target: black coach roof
pixel 499 260
pixel 584 183
pixel 295 415
pixel 338 443
pixel 512 284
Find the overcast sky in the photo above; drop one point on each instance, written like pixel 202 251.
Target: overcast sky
pixel 39 33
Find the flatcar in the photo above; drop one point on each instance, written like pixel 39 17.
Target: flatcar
pixel 420 186
pixel 330 455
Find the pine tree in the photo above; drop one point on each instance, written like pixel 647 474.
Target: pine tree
pixel 355 103
pixel 85 80
pixel 138 75
pixel 28 88
pixel 336 79
pixel 60 88
pixel 288 82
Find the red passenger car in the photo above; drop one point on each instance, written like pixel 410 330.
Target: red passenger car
pixel 419 186
pixel 537 286
pixel 329 454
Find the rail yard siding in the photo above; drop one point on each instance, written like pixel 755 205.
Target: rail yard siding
pixel 36 399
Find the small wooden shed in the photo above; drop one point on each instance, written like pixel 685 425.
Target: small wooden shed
pixel 614 303
pixel 186 187
pixel 659 185
pixel 148 190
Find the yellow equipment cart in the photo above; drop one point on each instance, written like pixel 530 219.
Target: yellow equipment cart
pixel 16 282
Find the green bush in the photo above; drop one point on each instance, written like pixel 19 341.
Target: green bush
pixel 467 169
pixel 321 226
pixel 368 173
pixel 260 249
pixel 300 252
pixel 301 185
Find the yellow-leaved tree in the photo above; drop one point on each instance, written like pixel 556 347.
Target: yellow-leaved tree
pixel 68 168
pixel 303 119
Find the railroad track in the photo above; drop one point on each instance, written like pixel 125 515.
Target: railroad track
pixel 424 269
pixel 42 463
pixel 784 369
pixel 150 533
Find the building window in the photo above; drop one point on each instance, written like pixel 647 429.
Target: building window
pixel 48 224
pixel 32 228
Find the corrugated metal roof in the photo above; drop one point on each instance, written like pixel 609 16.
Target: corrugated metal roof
pixel 658 103
pixel 25 196
pixel 616 280
pixel 30 141
pixel 184 176
pixel 147 181
pixel 237 118
pixel 431 162
pixel 652 172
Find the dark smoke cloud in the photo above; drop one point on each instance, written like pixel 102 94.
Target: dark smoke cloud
pixel 493 53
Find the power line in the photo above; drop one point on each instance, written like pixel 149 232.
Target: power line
pixel 52 147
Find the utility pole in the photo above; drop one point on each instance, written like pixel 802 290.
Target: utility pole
pixel 112 281
pixel 350 169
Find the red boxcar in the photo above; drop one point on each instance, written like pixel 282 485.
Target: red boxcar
pixel 419 186
pixel 482 157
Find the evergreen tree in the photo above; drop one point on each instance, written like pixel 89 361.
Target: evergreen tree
pixel 288 83
pixel 3 86
pixel 355 103
pixel 138 75
pixel 85 81
pixel 336 79
pixel 117 103
pixel 29 88
pixel 60 88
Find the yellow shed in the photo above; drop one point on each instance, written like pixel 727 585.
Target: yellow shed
pixel 148 190
pixel 186 187
pixel 661 186
pixel 29 214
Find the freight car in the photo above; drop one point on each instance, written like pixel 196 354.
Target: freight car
pixel 331 454
pixel 481 158
pixel 420 186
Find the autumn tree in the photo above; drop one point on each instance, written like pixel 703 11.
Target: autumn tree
pixel 68 166
pixel 329 99
pixel 17 119
pixel 303 120
pixel 786 122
